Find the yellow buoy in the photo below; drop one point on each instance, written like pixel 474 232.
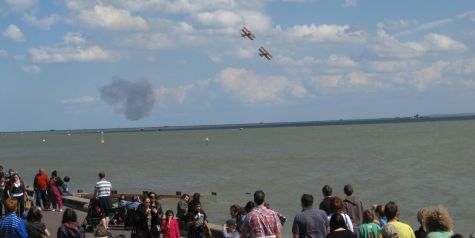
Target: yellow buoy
pixel 102 138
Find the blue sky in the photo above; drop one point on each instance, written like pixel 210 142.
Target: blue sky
pixel 116 63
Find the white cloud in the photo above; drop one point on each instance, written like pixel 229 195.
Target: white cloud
pixel 185 6
pixel 429 75
pixel 305 61
pixel 216 59
pixel 339 81
pixel 327 33
pixel 177 94
pixel 436 23
pixel 349 3
pixel 249 87
pixel 327 81
pixel 74 38
pixel 3 52
pixel 246 53
pixel 31 68
pixel 340 61
pixel 69 54
pixel 358 78
pixel 152 41
pixel 388 46
pixel 111 18
pixel 391 65
pixel 22 5
pixel 465 67
pixel 44 23
pixel 443 43
pixel 14 33
pixel 259 21
pixel 185 27
pixel 218 18
pixel 83 99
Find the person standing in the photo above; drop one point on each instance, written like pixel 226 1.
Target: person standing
pixel 169 226
pixel 157 213
pixel 182 207
pixel 353 207
pixel 392 214
pixel 325 205
pixel 338 227
pixel 311 222
pixel 197 222
pixel 438 223
pixel 368 229
pixel 261 222
pixel 338 207
pixel 143 225
pixel 102 192
pixel 421 233
pixel 3 194
pixel 12 226
pixel 18 192
pixel 40 185
pixel 54 191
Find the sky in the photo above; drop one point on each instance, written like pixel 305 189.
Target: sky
pixel 78 64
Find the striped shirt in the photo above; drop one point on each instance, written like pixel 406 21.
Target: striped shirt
pixel 12 227
pixel 103 188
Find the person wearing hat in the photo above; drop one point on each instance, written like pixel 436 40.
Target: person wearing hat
pixel 229 229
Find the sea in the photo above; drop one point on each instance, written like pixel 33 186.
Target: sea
pixel 416 164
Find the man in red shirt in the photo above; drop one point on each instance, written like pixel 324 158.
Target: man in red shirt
pixel 41 185
pixel 261 222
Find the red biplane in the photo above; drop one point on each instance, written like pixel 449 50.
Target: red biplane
pixel 247 33
pixel 264 53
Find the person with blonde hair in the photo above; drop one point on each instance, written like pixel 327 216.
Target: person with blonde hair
pixel 437 223
pixel 421 233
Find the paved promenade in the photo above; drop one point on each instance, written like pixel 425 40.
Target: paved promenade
pixel 53 221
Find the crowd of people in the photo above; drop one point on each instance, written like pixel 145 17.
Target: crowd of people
pixel 334 218
pixel 337 218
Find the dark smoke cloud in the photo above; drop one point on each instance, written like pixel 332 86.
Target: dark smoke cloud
pixel 135 100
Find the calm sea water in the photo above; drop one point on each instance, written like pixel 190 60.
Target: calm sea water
pixel 415 164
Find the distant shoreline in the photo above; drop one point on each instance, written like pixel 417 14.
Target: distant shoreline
pixel 456 117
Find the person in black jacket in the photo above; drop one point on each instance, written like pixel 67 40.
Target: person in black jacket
pixel 145 216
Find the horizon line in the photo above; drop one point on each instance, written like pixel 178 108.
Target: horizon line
pixel 415 118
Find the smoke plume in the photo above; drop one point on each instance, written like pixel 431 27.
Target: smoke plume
pixel 135 100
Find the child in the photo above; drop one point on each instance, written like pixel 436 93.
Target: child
pixel 169 226
pixel 229 229
pixel 368 229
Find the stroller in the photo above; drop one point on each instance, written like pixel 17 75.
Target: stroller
pixel 93 217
